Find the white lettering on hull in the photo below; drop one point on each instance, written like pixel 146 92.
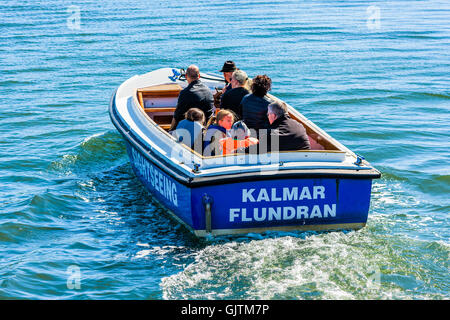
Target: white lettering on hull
pixel 282 213
pixel 279 213
pixel 286 194
pixel 160 182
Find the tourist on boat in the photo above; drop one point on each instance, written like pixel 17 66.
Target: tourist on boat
pixel 228 68
pixel 291 134
pixel 217 128
pixel 231 99
pixel 254 105
pixel 195 95
pixel 190 130
pixel 239 139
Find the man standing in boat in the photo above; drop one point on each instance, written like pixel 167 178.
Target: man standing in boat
pixel 195 95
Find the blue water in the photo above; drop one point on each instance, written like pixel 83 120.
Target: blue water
pixel 75 223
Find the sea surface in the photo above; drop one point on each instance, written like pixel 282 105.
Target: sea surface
pixel 75 223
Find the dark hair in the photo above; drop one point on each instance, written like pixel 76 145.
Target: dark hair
pixel 195 114
pixel 261 84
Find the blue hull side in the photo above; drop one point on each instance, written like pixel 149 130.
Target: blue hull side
pixel 172 194
pixel 257 206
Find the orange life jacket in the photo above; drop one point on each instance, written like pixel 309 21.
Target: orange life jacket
pixel 229 145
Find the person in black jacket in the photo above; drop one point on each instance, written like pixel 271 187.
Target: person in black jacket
pixel 232 98
pixel 290 133
pixel 195 95
pixel 254 105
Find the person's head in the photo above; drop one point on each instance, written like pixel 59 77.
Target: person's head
pixel 239 131
pixel 275 110
pixel 192 73
pixel 261 84
pixel 239 79
pixel 195 115
pixel 227 76
pixel 223 118
pixel 228 68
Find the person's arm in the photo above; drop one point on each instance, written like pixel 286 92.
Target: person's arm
pixel 225 88
pixel 211 107
pixel 173 125
pixel 218 98
pixel 223 99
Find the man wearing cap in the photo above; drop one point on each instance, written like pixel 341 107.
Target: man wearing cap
pixel 228 68
pixel 195 95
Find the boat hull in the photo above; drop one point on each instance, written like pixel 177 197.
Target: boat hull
pixel 314 203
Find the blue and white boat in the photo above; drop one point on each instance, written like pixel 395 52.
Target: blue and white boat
pixel 327 188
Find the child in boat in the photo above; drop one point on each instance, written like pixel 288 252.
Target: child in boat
pixel 217 129
pixel 239 139
pixel 190 130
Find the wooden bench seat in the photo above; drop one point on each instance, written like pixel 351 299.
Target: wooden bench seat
pixel 165 126
pixel 159 102
pixel 164 90
pixel 160 91
pixel 152 110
